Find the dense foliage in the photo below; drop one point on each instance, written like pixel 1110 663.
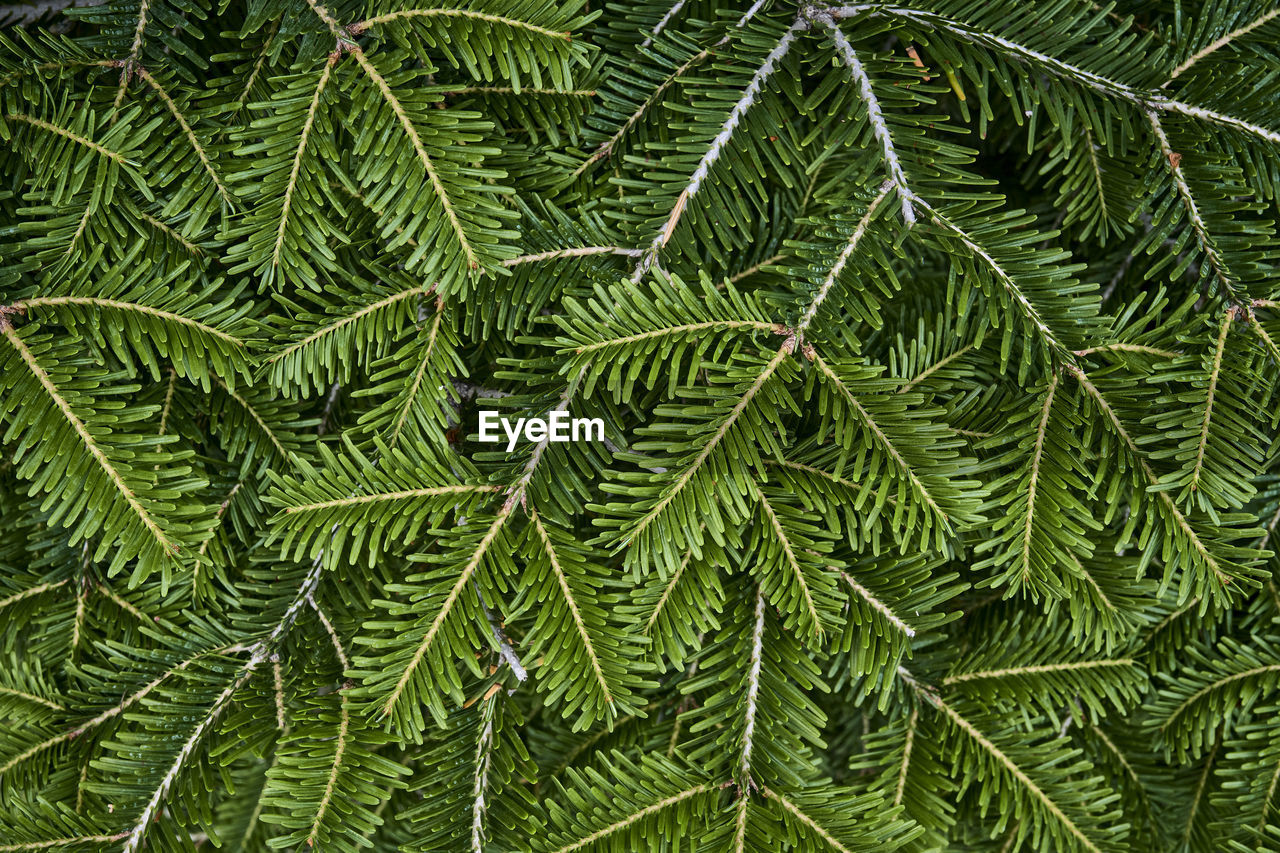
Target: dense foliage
pixel 936 345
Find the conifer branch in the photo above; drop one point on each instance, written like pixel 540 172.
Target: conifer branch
pixel 83 141
pixel 134 308
pixel 1015 771
pixel 402 416
pixel 1212 687
pixel 354 500
pixel 1059 68
pixel 842 259
pixel 934 368
pixel 755 268
pixel 257 418
pixel 1215 371
pixel 875 116
pixel 1038 669
pixel 1124 347
pixel 826 475
pixel 32 698
pixel 479 788
pixel 428 166
pixel 296 169
pixel 172 233
pixel 1198 798
pixel 718 146
pixel 587 644
pixel 908 745
pixel 672 331
pixel 1179 518
pixel 31 591
pixel 258 652
pixel 277 694
pixel 662 23
pixel 750 707
pixel 445 608
pixel 809 822
pixel 879 606
pixel 1216 261
pixel 901 465
pixel 1091 149
pixel 1033 481
pixel 666 593
pixel 6 79
pixel 123 604
pixel 1219 43
pixel 683 480
pixel 257 68
pixel 652 98
pixel 631 819
pixel 344 725
pixel 91 444
pixel 101 718
pixel 190 134
pixel 740 822
pixel 62 842
pixel 342 322
pixel 576 252
pixel 792 563
pixel 1016 294
pixel 134 839
pixel 465 14
pixel 135 50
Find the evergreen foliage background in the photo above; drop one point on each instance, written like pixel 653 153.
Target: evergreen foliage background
pixel 936 343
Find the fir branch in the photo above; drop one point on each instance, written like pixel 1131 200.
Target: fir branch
pixel 745 783
pixel 1015 771
pixel 1222 578
pixel 1216 261
pixel 893 165
pixel 83 141
pixel 1219 43
pixel 185 126
pixel 62 842
pixel 879 606
pixel 736 412
pixel 258 653
pixel 718 145
pixel 135 308
pixel 482 762
pixel 903 469
pixel 572 604
pixel 31 697
pixel 859 231
pixel 606 147
pixel 344 321
pixel 1038 669
pixel 38 589
pixel 466 14
pixel 576 252
pixel 913 723
pixel 428 166
pixel 355 500
pixel 344 724
pixel 295 170
pixel 660 805
pixel 793 564
pixel 91 444
pixel 1016 294
pixel 389 704
pixel 809 822
pixel 1059 68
